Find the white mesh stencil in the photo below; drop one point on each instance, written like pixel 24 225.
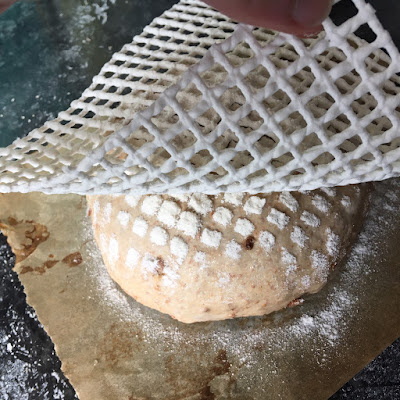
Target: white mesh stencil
pixel 199 104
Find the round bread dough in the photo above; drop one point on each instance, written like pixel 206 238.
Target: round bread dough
pixel 200 257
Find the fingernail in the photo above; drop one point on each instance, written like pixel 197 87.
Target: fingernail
pixel 311 13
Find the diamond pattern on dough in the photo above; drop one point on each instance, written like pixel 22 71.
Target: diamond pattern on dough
pixel 159 236
pixel 211 238
pixel 310 219
pixel 132 258
pixel 289 201
pixel 189 223
pixel 179 248
pixel 267 241
pixel 222 216
pixel 244 227
pixel 123 218
pixel 298 236
pixel 168 213
pixel 200 203
pixel 254 205
pixel 233 250
pixel 321 204
pixel 151 204
pixel 140 226
pixel 213 246
pixel 278 218
pixel 235 199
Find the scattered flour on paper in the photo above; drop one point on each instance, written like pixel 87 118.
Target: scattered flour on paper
pixel 324 325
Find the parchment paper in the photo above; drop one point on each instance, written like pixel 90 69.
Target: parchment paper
pixel 113 348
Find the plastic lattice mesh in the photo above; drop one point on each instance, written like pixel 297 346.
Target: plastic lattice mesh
pixel 198 103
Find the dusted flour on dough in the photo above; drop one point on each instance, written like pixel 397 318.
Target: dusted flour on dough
pixel 222 216
pixel 321 204
pixel 278 218
pixel 189 223
pixel 140 226
pixel 289 201
pixel 200 257
pixel 310 219
pixel 254 205
pixel 244 227
pixel 233 250
pixel 211 238
pixel 298 236
pixel 267 241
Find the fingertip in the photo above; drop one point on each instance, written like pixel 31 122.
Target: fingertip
pixel 311 13
pixel 298 17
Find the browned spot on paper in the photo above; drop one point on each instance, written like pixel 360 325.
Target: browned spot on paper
pixel 221 366
pixel 249 243
pixel 12 221
pixel 24 236
pixel 51 255
pixel 221 363
pixel 117 344
pixel 89 212
pixel 73 260
pixel 199 384
pixel 26 269
pixel 39 270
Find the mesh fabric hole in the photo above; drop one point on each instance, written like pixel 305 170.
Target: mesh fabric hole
pixel 201 158
pixel 241 159
pixel 217 174
pixel 348 82
pixel 159 157
pixel 343 11
pixel 282 160
pixel 379 126
pixel 208 121
pixel 337 125
pixel 302 81
pixel 251 122
pixel 139 138
pixel 116 156
pixel 257 78
pixel 331 58
pixel 240 54
pixel 228 140
pixel 232 99
pixel 323 159
pixel 378 61
pixel 320 105
pixel 350 145
pixel 284 56
pixel 266 143
pixel 277 101
pixel 264 36
pixel 214 76
pixel 166 119
pixel 183 140
pixel 364 105
pixel 309 142
pixel 189 97
pixel 293 123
